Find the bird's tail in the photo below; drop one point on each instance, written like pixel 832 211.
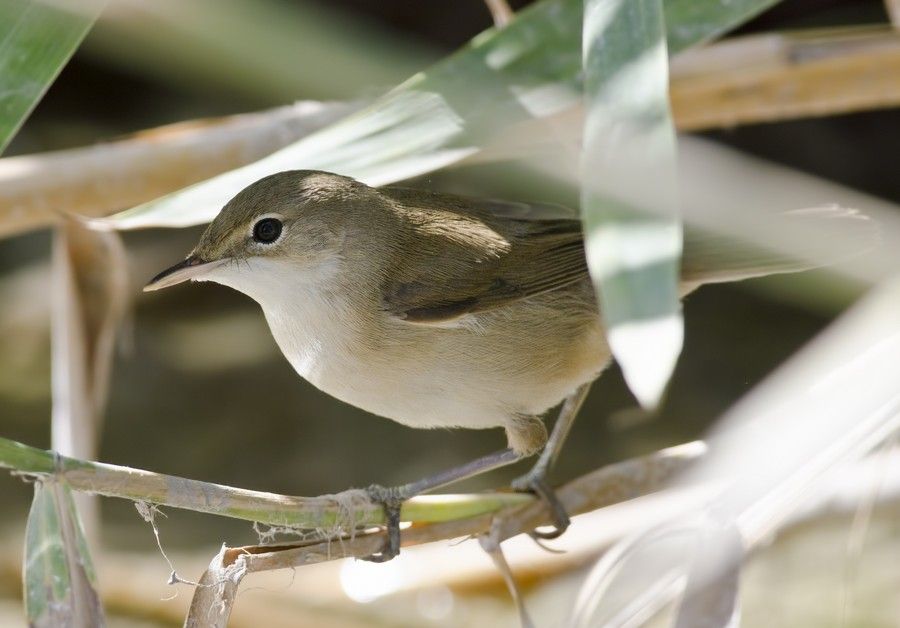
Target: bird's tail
pixel 817 236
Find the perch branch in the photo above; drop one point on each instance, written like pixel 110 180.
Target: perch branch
pixel 609 485
pixel 348 509
pixel 212 602
pixel 436 516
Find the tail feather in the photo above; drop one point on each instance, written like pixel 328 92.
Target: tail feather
pixel 819 236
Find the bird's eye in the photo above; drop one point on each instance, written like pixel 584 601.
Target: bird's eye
pixel 267 230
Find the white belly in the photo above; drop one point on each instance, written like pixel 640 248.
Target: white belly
pixel 423 376
pixel 330 355
pixel 435 384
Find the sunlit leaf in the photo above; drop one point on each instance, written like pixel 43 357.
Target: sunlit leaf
pixel 59 577
pixel 633 234
pixel 530 70
pixel 37 37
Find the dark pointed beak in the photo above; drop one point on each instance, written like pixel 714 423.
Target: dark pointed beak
pixel 190 268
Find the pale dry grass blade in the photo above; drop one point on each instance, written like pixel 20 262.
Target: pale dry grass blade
pixel 712 595
pixel 215 593
pixel 745 200
pixel 776 452
pixel 89 303
pixel 495 551
pixel 634 580
pixel 818 70
pixel 893 9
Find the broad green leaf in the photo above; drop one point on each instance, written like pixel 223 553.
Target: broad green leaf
pixel 59 577
pixel 37 37
pixel 628 191
pixel 529 71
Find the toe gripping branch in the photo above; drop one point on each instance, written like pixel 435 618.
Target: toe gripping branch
pixel 539 486
pixel 391 499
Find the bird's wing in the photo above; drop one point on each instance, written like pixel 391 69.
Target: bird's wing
pixel 465 256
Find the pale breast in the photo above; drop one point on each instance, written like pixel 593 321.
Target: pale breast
pixel 522 359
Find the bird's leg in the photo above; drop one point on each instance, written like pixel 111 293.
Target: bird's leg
pixel 535 480
pixel 392 498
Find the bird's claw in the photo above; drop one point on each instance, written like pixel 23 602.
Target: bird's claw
pixel 391 500
pixel 536 483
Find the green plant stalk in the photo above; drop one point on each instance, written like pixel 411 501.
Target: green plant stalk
pixel 351 508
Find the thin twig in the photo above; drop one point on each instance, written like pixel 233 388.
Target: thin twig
pixel 495 551
pixel 500 11
pixel 89 303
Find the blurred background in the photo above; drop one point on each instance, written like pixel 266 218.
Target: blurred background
pixel 200 390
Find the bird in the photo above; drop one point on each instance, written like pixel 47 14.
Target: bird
pixel 434 310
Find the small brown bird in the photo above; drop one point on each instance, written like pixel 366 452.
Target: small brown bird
pixel 429 309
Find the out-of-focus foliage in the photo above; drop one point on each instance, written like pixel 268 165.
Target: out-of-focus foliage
pixel 531 70
pixel 37 37
pixel 633 235
pixel 266 51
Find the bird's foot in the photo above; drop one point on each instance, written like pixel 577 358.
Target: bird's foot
pixel 535 481
pixel 391 499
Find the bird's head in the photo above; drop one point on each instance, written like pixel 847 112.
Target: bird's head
pixel 291 225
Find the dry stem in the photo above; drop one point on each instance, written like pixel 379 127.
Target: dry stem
pixel 435 517
pixel 771 77
pixel 747 80
pixel 341 511
pixel 105 178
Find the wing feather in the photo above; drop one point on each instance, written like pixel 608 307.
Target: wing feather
pixel 495 254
